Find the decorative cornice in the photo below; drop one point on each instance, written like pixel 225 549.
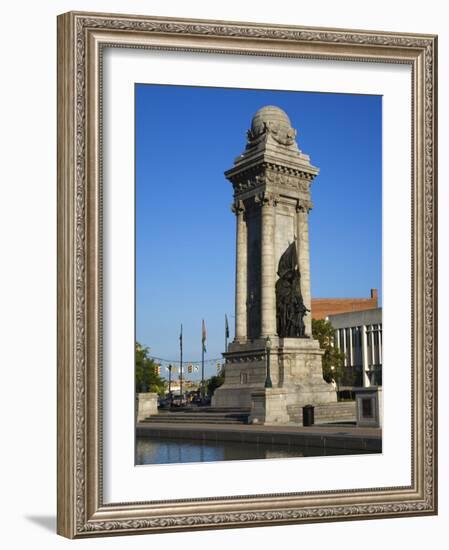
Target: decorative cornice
pixel 247 30
pixel 262 517
pixel 80 277
pixel 245 358
pixel 271 174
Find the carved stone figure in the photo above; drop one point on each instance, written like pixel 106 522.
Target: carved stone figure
pixel 290 308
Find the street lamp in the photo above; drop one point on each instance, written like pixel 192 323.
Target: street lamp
pixel 268 383
pixel 169 383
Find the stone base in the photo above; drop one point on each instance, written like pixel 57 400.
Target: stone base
pixel 295 367
pixel 269 406
pixel 369 406
pixel 146 405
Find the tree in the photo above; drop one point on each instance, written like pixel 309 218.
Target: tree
pixel 147 377
pixel 213 383
pixel 333 359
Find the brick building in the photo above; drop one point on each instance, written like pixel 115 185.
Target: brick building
pixel 323 307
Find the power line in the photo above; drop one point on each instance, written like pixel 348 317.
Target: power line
pixel 184 361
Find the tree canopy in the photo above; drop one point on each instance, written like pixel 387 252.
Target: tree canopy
pixel 333 359
pixel 213 383
pixel 146 374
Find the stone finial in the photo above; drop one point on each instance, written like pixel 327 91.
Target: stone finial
pixel 274 121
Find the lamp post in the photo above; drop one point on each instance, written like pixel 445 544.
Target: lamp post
pixel 268 383
pixel 169 383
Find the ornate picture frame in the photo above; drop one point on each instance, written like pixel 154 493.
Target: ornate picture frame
pixel 82 38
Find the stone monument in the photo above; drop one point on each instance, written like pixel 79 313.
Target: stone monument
pixel 271 182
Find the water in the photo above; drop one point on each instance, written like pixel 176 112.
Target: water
pixel 154 450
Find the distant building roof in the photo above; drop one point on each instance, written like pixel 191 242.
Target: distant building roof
pixel 356 318
pixel 324 307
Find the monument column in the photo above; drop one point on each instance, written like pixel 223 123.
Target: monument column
pixel 302 230
pixel 268 270
pixel 241 266
pixel 271 180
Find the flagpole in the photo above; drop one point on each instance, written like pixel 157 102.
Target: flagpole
pixel 180 365
pixel 203 345
pixel 202 370
pixel 226 333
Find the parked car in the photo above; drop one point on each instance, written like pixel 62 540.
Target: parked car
pixel 163 402
pixel 179 401
pixel 196 400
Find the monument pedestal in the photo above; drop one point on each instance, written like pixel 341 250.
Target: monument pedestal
pixel 301 372
pixel 295 371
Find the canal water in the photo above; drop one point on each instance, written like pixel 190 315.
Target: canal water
pixel 153 450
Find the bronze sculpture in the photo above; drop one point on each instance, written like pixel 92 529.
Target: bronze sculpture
pixel 290 308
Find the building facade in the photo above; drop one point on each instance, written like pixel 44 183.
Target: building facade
pixel 358 334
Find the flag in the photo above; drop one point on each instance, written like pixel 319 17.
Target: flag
pixel 226 327
pixel 180 337
pixel 203 336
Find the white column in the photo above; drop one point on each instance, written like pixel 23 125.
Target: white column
pixel 268 272
pixel 240 273
pixel 366 380
pixel 345 348
pixel 337 338
pixel 380 344
pixel 351 357
pixel 373 351
pixel 302 232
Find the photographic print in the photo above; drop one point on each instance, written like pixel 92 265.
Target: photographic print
pixel 258 274
pixel 246 235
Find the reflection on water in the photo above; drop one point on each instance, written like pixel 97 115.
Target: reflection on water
pixel 153 450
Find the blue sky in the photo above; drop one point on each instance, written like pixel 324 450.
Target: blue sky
pixel 186 137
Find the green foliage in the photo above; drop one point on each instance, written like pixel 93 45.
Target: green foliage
pixel 213 383
pixel 333 359
pixel 147 377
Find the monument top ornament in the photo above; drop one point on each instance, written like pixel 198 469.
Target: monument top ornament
pixel 272 120
pixel 272 158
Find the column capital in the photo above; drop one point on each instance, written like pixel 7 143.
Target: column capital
pixel 238 207
pixel 266 199
pixel 304 205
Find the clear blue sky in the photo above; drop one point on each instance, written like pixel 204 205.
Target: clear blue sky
pixel 186 137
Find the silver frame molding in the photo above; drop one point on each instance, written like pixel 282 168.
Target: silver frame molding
pixel 81 38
